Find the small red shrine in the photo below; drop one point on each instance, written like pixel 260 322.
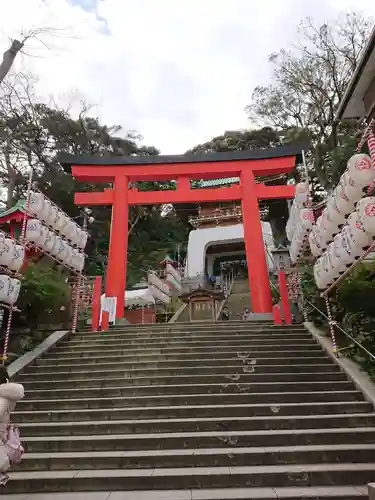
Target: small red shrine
pixel 122 172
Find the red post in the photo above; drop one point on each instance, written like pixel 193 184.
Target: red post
pixel 96 303
pixel 285 298
pixel 277 316
pixel 118 245
pixel 105 321
pixel 255 254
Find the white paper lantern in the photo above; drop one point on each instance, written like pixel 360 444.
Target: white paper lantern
pixel 4 288
pixel 68 255
pixel 69 230
pixel 348 246
pixel 18 258
pixel 52 216
pixel 294 250
pixel 336 218
pixel 301 193
pixel 64 252
pixel 75 258
pixel 61 221
pixel 34 232
pixel 6 252
pixel 366 211
pixel 334 271
pixel 83 240
pixel 315 242
pixel 359 234
pixel 36 203
pixel 318 275
pixel 45 213
pixel 49 243
pixel 58 247
pixel 13 291
pixel 306 218
pixel 80 262
pixel 75 234
pixel 361 169
pixel 344 204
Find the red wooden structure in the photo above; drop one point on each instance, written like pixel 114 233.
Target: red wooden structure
pixel 120 171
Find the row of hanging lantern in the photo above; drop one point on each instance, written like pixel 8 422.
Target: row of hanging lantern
pixel 341 204
pixel 54 245
pixel 47 212
pixel 348 245
pixel 346 228
pixel 12 256
pixel 300 221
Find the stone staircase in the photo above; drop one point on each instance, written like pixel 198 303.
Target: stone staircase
pixel 239 299
pixel 207 411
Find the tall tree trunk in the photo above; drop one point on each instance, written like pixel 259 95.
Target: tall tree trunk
pixel 9 57
pixel 12 175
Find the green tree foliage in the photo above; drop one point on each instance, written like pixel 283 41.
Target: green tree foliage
pixel 240 140
pixel 308 83
pixel 352 306
pixel 44 291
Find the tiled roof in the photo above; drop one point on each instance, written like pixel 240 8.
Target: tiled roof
pixel 19 206
pixel 219 182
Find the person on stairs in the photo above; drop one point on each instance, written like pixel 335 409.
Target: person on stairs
pixel 225 316
pixel 10 394
pixel 246 315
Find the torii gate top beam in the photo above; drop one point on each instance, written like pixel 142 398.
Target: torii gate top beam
pixel 265 162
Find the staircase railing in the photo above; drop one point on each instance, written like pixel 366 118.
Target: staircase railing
pixel 347 336
pixel 227 289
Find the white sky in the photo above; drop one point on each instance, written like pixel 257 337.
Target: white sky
pixel 178 72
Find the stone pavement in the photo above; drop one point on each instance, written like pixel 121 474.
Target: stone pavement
pixel 218 494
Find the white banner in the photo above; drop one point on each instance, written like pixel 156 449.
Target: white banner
pixel 108 304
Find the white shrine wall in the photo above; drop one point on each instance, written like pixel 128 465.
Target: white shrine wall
pixel 201 239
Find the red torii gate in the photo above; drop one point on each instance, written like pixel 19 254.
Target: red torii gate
pixel 120 171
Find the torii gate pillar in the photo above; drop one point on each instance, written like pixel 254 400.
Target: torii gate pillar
pixel 115 284
pixel 255 255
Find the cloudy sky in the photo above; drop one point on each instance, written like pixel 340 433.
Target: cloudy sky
pixel 179 72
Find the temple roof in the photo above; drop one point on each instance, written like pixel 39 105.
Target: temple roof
pixel 352 104
pixel 68 160
pixel 219 182
pixel 18 207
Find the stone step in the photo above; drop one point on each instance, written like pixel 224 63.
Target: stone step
pixel 212 439
pixel 196 326
pixel 201 411
pixel 226 387
pixel 132 372
pixel 201 457
pixel 213 424
pixel 185 333
pixel 304 493
pixel 237 374
pixel 191 399
pixel 73 358
pixel 103 352
pixel 59 364
pixel 284 475
pixel 189 337
pixel 168 344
